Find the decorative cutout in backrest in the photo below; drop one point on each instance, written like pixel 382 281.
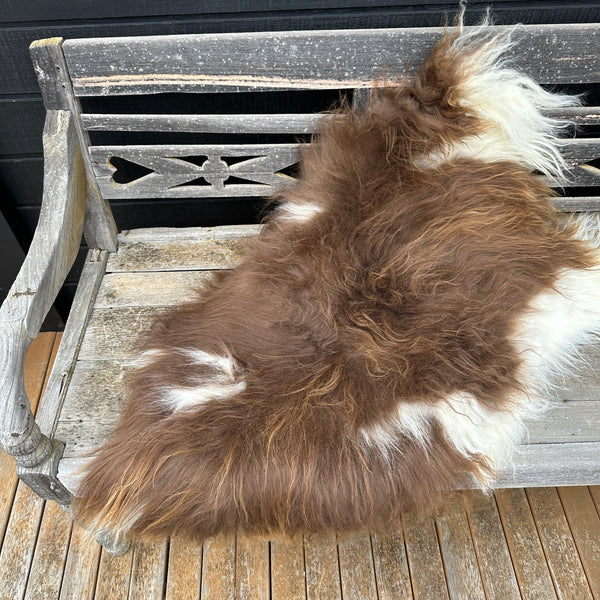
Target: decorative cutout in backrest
pixel 193 171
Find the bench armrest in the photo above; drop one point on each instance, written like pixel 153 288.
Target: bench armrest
pixel 52 253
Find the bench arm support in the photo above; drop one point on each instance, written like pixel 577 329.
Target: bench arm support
pixel 52 253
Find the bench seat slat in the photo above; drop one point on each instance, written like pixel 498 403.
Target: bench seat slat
pixel 98 388
pixel 177 255
pixel 302 60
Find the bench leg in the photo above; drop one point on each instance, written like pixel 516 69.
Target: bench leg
pixel 113 544
pixel 42 478
pixel 37 457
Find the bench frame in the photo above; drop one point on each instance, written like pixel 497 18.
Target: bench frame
pixel 77 184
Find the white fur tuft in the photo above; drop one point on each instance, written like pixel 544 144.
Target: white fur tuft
pixel 510 104
pixel 556 324
pixel 298 213
pixel 469 426
pixel 185 398
pixel 220 383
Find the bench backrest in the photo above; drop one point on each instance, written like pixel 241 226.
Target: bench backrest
pixel 85 76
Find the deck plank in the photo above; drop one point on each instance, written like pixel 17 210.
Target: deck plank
pixel 252 577
pixel 560 550
pixel 19 541
pixel 47 567
pixel 584 523
pixel 288 581
pixel 218 567
pixel 424 558
pixel 458 553
pixel 322 567
pixel 524 544
pixel 114 576
pixel 491 548
pixel 391 566
pixel 81 568
pixel 357 568
pixel 148 571
pixel 184 570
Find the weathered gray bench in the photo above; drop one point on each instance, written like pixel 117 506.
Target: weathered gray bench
pixel 131 276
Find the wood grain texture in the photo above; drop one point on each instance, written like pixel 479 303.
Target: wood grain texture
pixel 171 174
pixel 81 568
pixel 524 544
pixel 114 575
pixel 557 464
pixel 595 492
pixel 572 421
pixel 184 570
pixel 288 580
pixel 247 123
pixel 178 255
pixel 172 234
pixel 64 363
pixel 460 562
pixel 560 550
pixel 47 567
pixel 357 570
pixel 322 567
pixel 21 509
pixel 57 91
pixel 148 571
pixel 584 523
pixel 490 545
pixel 19 541
pixel 391 566
pixel 424 558
pixel 218 568
pixel 131 321
pixel 252 568
pixel 151 289
pixel 258 61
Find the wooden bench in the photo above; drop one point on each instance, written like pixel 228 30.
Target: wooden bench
pixel 129 277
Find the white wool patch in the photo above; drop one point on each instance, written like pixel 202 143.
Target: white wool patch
pixel 413 420
pixel 222 363
pixel 219 384
pixel 473 428
pixel 147 357
pixel 182 398
pixel 510 104
pixel 298 213
pixel 469 426
pixel 556 324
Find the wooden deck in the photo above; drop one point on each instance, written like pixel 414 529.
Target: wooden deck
pixel 536 544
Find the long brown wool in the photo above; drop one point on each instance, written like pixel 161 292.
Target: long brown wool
pixel 402 289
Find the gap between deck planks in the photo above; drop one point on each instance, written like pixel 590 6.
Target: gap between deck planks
pixel 535 543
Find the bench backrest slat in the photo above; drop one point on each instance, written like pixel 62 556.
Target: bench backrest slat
pixel 308 59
